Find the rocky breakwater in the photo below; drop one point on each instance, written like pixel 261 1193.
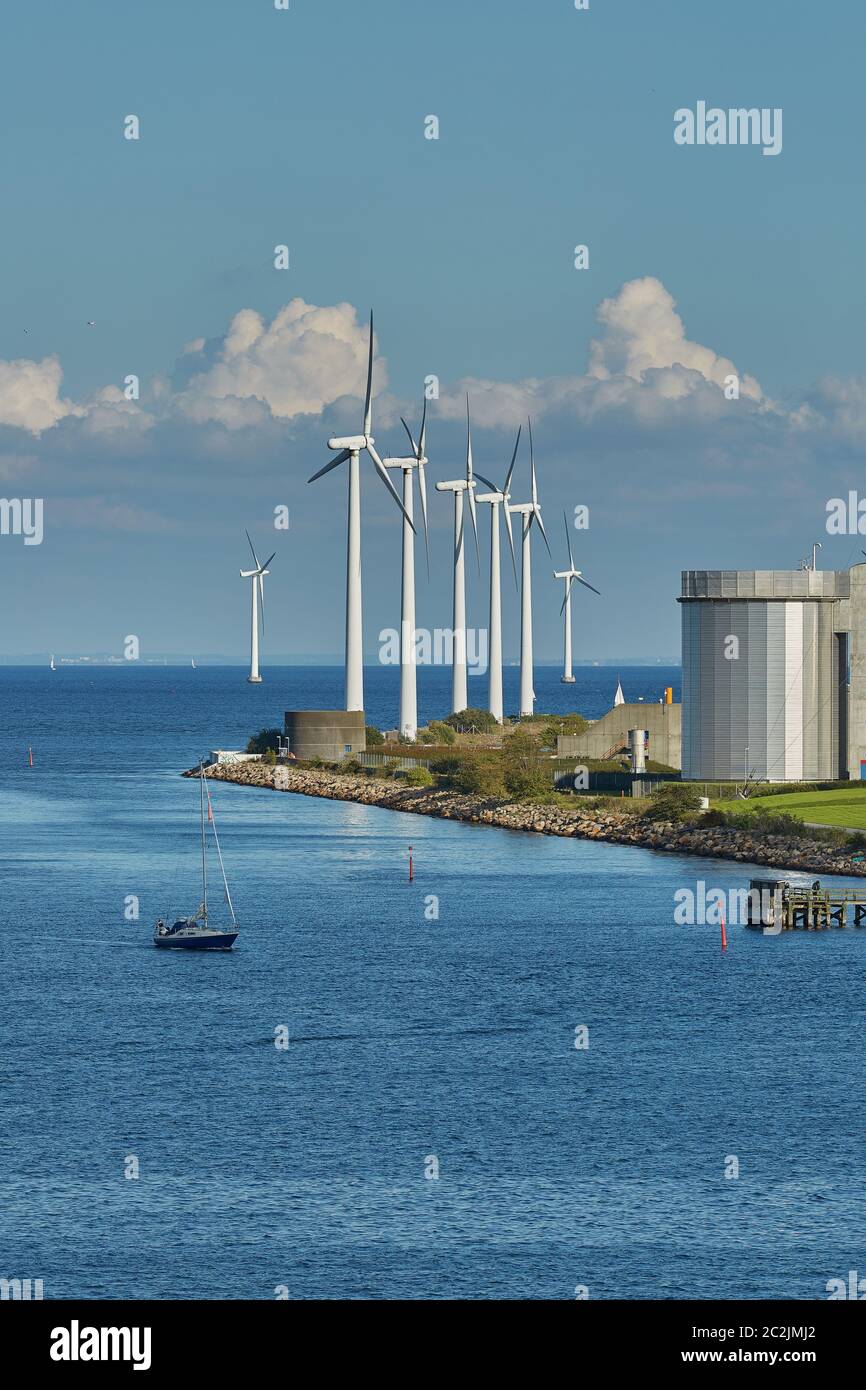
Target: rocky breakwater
pixel 782 852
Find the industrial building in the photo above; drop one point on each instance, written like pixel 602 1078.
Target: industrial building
pixel 609 736
pixel 330 734
pixel 774 674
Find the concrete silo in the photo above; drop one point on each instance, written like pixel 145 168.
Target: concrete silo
pixel 766 657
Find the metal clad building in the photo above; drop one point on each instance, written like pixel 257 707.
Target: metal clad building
pixel 765 673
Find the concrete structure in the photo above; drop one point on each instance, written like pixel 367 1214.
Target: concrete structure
pixel 637 741
pixel 766 661
pixel 330 734
pixel 220 757
pixel 608 736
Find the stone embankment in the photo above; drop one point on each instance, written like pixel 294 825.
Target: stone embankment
pixel 813 857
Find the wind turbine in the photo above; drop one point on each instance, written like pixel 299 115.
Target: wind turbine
pixel 530 511
pixel 569 576
pixel 349 451
pixel 408 683
pixel 496 497
pixel 258 577
pixel 459 691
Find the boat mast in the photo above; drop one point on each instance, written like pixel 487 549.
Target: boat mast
pixel 203 850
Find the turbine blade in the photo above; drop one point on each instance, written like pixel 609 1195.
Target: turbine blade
pixel 261 580
pixel 422 488
pixel 513 461
pixel 470 489
pixel 267 562
pixel 415 449
pixel 568 542
pixel 368 399
pixel 250 544
pixel 536 515
pixel 383 474
pixel 422 442
pixel 565 600
pixel 341 458
pixel 510 531
pixel 486 481
pixel 532 469
pixel 586 585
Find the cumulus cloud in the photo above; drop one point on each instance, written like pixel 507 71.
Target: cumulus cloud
pixel 30 395
pixel 643 331
pixel 305 359
pixel 641 366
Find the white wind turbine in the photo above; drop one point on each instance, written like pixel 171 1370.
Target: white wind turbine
pixel 459 690
pixel 530 511
pixel 350 450
pixel 496 497
pixel 258 577
pixel 569 576
pixel 408 682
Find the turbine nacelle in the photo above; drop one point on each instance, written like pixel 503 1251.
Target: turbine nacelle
pixel 353 442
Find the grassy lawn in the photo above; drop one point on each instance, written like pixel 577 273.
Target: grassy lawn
pixel 842 806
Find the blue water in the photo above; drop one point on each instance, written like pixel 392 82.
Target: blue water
pixel 409 1038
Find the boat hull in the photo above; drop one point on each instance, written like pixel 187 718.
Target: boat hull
pixel 201 941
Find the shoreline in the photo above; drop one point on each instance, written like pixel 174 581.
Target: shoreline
pixel 716 842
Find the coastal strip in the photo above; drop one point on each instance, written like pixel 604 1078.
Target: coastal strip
pixel 719 842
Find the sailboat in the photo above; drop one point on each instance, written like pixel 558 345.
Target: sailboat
pixel 193 662
pixel 195 933
pixel 51 665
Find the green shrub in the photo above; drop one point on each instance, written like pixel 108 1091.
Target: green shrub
pixel 525 772
pixel 351 765
pixel 264 739
pixel 711 818
pixel 419 777
pixel 472 772
pixel 481 720
pixel 673 801
pixel 269 757
pixel 443 733
pixel 373 736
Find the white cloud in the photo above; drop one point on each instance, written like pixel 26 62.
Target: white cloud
pixel 30 395
pixel 306 358
pixel 642 331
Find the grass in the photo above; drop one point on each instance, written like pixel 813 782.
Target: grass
pixel 845 806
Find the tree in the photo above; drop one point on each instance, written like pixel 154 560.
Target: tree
pixel 443 732
pixel 481 720
pixel 373 736
pixel 673 801
pixel 524 769
pixel 265 739
pixel 478 774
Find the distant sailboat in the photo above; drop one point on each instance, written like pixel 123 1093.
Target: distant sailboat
pixel 192 663
pixel 194 933
pixel 51 666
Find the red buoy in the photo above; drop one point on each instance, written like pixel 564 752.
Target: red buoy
pixel 411 866
pixel 724 937
pixel 30 751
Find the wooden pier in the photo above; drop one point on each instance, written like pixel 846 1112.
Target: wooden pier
pixel 777 905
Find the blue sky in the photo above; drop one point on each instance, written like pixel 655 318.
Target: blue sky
pixel 305 127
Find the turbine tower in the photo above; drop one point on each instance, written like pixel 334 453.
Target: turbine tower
pixel 258 577
pixel 530 511
pixel 459 691
pixel 350 450
pixel 569 576
pixel 496 497
pixel 408 683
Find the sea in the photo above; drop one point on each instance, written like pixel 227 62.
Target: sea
pixel 514 1077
